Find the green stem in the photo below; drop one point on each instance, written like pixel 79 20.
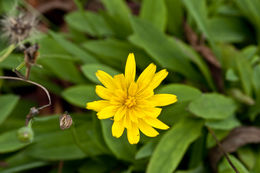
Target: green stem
pixel 7 52
pixel 20 66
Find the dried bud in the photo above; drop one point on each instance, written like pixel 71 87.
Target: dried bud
pixel 25 134
pixel 65 121
pixel 18 28
pixel 31 54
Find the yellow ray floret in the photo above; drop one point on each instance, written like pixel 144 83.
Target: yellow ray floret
pixel 132 105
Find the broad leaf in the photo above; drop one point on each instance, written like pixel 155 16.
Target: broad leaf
pixel 213 106
pixel 89 70
pixel 9 142
pixel 79 95
pixel 89 22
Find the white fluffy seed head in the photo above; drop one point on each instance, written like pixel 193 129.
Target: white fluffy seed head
pixel 18 28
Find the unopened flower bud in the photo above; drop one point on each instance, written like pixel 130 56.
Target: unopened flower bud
pixel 65 121
pixel 25 134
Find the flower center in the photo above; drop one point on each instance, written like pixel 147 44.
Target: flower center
pixel 130 101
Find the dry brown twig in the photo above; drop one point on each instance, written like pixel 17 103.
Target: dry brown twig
pixel 33 110
pixel 207 54
pixel 222 150
pixel 237 138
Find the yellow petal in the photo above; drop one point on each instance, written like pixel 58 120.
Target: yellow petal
pixel 97 105
pixel 105 79
pixel 149 111
pixel 130 69
pixel 120 113
pixel 133 134
pixel 118 97
pixel 163 99
pixel 117 129
pixel 145 93
pixel 133 115
pixel 158 78
pixel 127 120
pixel 103 92
pixel 147 129
pixel 107 112
pixel 132 89
pixel 146 77
pixel 120 81
pixel 155 123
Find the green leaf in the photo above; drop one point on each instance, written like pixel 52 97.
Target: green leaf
pixel 163 51
pixel 256 80
pixel 89 70
pixel 98 166
pixel 20 162
pixel 197 9
pixel 6 52
pixel 256 167
pixel 231 76
pixel 175 14
pixel 226 124
pixel 146 150
pixel 196 59
pixel 52 143
pixel 79 95
pixel 251 10
pixel 173 145
pixel 199 169
pixel 247 156
pixel 224 166
pixel 62 67
pixel 7 104
pixel 250 51
pixel 12 61
pixel 60 146
pixel 114 52
pixel 245 72
pixel 213 106
pixel 120 147
pixel 183 92
pixel 177 111
pixel 73 48
pixel 9 142
pixel 154 12
pixel 89 22
pixel 228 29
pixel 119 14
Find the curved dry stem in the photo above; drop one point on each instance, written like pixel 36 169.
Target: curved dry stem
pixel 34 83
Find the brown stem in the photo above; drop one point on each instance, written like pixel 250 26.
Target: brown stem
pixel 27 73
pixel 61 163
pixel 222 150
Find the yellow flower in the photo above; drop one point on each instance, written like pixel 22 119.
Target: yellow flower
pixel 133 105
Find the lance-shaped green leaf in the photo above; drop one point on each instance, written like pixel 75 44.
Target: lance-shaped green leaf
pixel 7 104
pixel 154 12
pixel 158 46
pixel 173 146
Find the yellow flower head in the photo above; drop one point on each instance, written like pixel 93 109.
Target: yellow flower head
pixel 133 105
